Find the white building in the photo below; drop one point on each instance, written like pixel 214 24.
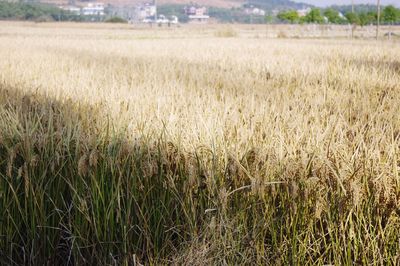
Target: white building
pixel 73 9
pixel 146 12
pixel 254 11
pixel 162 19
pixel 93 9
pixel 258 12
pixel 174 20
pixel 197 14
pixel 199 18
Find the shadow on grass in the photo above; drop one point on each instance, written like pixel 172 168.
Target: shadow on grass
pixel 76 191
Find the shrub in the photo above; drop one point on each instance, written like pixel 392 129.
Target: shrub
pixel 226 33
pixel 116 20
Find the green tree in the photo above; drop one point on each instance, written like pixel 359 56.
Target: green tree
pixel 333 16
pixel 290 16
pixel 314 16
pixel 391 14
pixel 366 18
pixel 268 19
pixel 34 11
pixel 353 18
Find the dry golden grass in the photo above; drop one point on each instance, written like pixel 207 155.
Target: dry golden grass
pixel 209 90
pixel 318 115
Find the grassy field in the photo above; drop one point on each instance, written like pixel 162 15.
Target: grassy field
pixel 121 146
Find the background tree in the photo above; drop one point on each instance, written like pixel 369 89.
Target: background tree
pixel 365 18
pixel 35 12
pixel 269 18
pixel 290 16
pixel 353 18
pixel 314 16
pixel 333 16
pixel 390 14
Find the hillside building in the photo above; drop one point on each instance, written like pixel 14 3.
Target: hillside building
pixel 146 12
pixel 197 14
pixel 93 9
pixel 73 9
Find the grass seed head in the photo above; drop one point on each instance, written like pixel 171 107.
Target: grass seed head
pixel 93 158
pixel 10 161
pixel 34 160
pixel 83 165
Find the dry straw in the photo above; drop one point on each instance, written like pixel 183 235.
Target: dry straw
pixel 118 146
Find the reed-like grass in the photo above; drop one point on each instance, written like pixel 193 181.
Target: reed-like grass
pixel 197 151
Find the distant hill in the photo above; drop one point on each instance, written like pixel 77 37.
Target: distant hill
pixel 216 3
pixel 358 8
pixel 265 4
pixel 278 4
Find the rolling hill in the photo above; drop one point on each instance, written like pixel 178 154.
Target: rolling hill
pixel 267 4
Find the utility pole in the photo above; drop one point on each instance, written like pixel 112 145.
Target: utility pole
pixel 353 25
pixel 155 13
pixel 378 21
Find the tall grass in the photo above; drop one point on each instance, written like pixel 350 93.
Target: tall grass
pixel 159 156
